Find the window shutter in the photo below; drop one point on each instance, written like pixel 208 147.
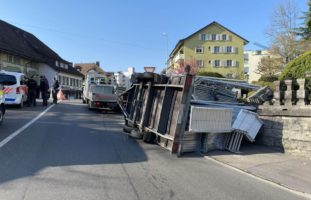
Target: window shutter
pixel 233 63
pixel 200 36
pixel 213 63
pixel 225 49
pixel 213 49
pixel 224 63
pixel 228 37
pixel 217 37
pixel 233 50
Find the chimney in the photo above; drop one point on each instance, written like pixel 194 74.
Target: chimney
pixel 97 63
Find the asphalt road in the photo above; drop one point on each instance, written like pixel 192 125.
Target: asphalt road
pixel 74 153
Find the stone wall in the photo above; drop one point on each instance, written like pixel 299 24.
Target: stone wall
pixel 287 120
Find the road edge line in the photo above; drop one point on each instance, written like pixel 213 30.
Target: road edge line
pixel 283 187
pixel 17 132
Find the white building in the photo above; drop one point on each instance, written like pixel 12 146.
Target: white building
pixel 123 79
pixel 251 61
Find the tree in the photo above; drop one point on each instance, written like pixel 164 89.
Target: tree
pixel 182 64
pixel 305 31
pixel 269 66
pixel 298 67
pixel 284 40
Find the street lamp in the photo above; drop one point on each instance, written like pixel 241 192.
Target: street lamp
pixel 165 35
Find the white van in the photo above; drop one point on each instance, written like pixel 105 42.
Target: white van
pixel 4 80
pixel 16 94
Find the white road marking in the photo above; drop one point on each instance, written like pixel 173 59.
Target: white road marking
pixel 302 194
pixel 17 132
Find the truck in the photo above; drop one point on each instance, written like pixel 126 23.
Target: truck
pixel 5 79
pixel 98 94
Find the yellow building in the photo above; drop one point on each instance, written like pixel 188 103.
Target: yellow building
pixel 213 48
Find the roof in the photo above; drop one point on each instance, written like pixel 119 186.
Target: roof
pixel 18 42
pixel 180 42
pixel 85 67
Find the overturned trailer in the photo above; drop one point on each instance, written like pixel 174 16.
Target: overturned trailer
pixel 172 112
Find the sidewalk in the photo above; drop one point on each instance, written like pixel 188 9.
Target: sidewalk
pixel 287 170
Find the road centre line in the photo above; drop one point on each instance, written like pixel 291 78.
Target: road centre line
pixel 20 130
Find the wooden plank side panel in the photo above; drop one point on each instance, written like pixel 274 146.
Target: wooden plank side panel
pixel 175 114
pixel 159 108
pixel 165 110
pixel 154 109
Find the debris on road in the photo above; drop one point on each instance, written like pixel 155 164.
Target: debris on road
pixel 187 113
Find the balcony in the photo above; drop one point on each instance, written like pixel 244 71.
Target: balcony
pixel 179 57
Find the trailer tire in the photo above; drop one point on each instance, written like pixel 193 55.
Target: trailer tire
pixel 127 129
pixel 149 137
pixel 136 134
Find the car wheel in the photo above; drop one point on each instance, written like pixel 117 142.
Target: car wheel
pixel 1 115
pixel 21 105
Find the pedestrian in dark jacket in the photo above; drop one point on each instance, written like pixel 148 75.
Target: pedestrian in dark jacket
pixel 44 88
pixel 55 90
pixel 32 86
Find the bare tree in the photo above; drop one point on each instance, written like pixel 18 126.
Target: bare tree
pixel 284 40
pixel 269 66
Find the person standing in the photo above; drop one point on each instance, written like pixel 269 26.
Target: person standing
pixel 32 86
pixel 44 87
pixel 55 90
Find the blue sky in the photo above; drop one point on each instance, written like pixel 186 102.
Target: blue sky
pixel 129 33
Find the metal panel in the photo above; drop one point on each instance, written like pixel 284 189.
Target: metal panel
pixel 248 123
pixel 210 120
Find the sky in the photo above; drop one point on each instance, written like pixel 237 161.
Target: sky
pixel 134 33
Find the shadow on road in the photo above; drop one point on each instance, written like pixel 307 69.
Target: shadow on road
pixel 68 135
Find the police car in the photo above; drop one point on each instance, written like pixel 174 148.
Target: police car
pixel 16 94
pixel 4 80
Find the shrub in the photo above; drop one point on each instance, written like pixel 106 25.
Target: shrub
pixel 297 67
pixel 212 74
pixel 270 78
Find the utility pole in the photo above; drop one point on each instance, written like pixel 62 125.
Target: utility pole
pixel 165 35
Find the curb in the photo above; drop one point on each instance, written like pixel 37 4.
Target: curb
pixel 265 180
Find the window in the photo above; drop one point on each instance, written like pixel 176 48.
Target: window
pixel 60 79
pixel 10 59
pixel 56 63
pixel 229 63
pixel 66 66
pixel 202 37
pixel 200 63
pixel 16 60
pixel 224 37
pixel 216 49
pixel 213 36
pixel 199 50
pixel 229 49
pixel 216 63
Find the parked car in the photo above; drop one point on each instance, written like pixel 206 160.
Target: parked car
pixel 16 94
pixel 4 80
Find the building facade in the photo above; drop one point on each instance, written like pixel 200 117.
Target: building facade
pixel 251 62
pixel 123 79
pixel 213 48
pixel 21 51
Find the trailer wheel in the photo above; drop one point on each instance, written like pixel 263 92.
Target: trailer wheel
pixel 149 137
pixel 136 134
pixel 127 129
